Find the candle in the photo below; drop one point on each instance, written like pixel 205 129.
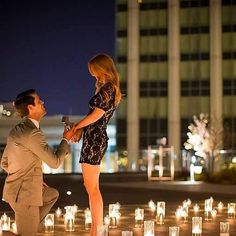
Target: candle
pixel 5 222
pixel 220 206
pixel 149 228
pixel 152 205
pixel 88 218
pixel 139 216
pixel 173 231
pixel 224 228
pixel 126 233
pixel 196 226
pixel 102 230
pixel 160 212
pixel 58 212
pixel 69 220
pixel 49 223
pixel 14 228
pixel 196 208
pixel 231 210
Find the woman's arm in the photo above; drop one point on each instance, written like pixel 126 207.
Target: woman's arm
pixel 95 115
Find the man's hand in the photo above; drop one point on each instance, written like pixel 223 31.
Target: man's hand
pixel 68 134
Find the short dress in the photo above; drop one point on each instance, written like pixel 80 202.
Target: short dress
pixel 95 139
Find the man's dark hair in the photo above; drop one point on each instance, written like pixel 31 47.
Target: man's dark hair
pixel 23 100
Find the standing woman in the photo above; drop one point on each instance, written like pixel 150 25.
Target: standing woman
pixel 95 139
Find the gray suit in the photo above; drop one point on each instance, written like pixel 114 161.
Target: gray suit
pixel 22 160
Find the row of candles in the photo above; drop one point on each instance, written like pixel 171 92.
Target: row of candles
pixel 110 220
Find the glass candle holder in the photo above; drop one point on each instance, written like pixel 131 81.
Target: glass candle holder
pixel 113 214
pixel 208 208
pixel 196 226
pixel 160 212
pixel 139 217
pixel 58 212
pixel 152 205
pixel 107 220
pixel 49 223
pixel 231 210
pixel 69 221
pixel 148 229
pixel 220 206
pixel 5 222
pixel 224 228
pixel 126 233
pixel 173 231
pixel 102 230
pixel 87 218
pixel 13 228
pixel 196 208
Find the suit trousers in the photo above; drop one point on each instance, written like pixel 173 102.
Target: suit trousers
pixel 29 219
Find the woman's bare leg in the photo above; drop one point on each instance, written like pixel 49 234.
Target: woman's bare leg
pixel 91 181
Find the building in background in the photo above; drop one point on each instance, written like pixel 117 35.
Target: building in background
pixel 180 56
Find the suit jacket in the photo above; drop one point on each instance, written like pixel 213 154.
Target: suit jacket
pixel 22 160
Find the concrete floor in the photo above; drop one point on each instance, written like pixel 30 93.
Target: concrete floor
pixel 134 191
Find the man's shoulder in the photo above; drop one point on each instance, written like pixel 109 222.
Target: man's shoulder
pixel 23 128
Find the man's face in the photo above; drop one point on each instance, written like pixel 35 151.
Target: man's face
pixel 37 111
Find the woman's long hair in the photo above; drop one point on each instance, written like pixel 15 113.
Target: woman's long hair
pixel 103 68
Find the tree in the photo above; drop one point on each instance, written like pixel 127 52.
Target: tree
pixel 205 139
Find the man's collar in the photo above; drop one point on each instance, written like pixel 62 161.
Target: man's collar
pixel 36 123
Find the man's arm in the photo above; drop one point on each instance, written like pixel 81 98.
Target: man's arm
pixel 39 146
pixel 4 160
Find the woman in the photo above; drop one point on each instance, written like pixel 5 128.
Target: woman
pixel 102 105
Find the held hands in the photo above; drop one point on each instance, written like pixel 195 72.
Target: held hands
pixel 74 134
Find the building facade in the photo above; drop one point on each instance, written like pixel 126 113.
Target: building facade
pixel 176 58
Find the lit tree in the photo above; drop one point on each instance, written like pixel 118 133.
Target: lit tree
pixel 205 139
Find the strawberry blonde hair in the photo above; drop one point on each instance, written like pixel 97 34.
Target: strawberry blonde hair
pixel 103 68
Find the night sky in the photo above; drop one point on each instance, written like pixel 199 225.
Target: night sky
pixel 46 44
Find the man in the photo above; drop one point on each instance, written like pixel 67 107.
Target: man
pixel 22 158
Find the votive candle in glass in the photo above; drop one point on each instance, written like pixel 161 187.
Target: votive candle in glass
pixel 58 212
pixel 87 218
pixel 196 226
pixel 126 233
pixel 69 220
pixel 220 206
pixel 208 208
pixel 173 231
pixel 231 210
pixel 102 230
pixel 113 214
pixel 5 222
pixel 224 228
pixel 139 217
pixel 160 212
pixel 49 223
pixel 149 228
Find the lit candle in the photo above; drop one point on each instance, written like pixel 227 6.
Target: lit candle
pixel 149 228
pixel 107 220
pixel 231 210
pixel 197 226
pixel 14 228
pixel 220 206
pixel 152 205
pixel 5 222
pixel 174 231
pixel 58 212
pixel 214 213
pixel 160 212
pixel 69 219
pixel 139 216
pixel 88 218
pixel 196 208
pixel 49 223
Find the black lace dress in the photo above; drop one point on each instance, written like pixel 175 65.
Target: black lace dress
pixel 95 137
